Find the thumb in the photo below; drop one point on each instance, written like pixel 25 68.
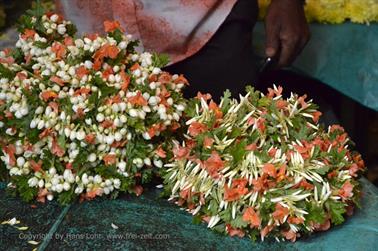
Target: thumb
pixel 272 41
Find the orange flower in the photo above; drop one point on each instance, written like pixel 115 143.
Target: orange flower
pixel 57 80
pixel 46 95
pixel 322 227
pixel 261 124
pixel 234 231
pixel 196 128
pixel 186 194
pixel 164 77
pixel 181 152
pixel 91 194
pixel 205 96
pixel 295 220
pixel 281 104
pixel 280 213
pixel 160 152
pixel 138 99
pixel 82 91
pixel 272 92
pixel 302 101
pixel 272 152
pixel 134 67
pixel 269 169
pixel 213 164
pixel 28 33
pixel 237 190
pixel 346 190
pixel 107 124
pixel 252 217
pixel 181 79
pixel 37 167
pixel 251 147
pixel 106 73
pixel 175 126
pixel 68 41
pixel 109 159
pixel 21 75
pixel 45 133
pixel 138 190
pixel 58 49
pixel 56 149
pixel 315 116
pixel 215 108
pixel 111 26
pixel 8 60
pixel 260 184
pixel 42 195
pixel 332 174
pixel 266 230
pixel 69 166
pixel 106 50
pixel 207 142
pixel 155 129
pixel 81 72
pixel 125 80
pixel 10 150
pixel 290 235
pixel 54 106
pixel 353 169
pixel 336 128
pixel 92 36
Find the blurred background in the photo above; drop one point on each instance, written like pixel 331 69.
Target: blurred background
pixel 327 71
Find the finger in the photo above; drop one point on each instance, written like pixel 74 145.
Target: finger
pixel 288 52
pixel 272 41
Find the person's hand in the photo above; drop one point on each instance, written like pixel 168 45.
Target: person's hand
pixel 287 31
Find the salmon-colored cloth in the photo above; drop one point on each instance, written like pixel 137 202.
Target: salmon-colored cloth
pixel 178 28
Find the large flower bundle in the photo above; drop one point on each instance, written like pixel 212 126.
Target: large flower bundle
pixel 335 11
pixel 83 116
pixel 263 167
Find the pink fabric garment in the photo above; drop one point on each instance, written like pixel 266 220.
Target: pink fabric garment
pixel 178 28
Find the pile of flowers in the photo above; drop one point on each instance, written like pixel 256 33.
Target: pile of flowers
pixel 263 167
pixel 335 11
pixel 83 116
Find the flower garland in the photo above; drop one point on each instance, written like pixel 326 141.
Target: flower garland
pixel 83 116
pixel 335 11
pixel 263 167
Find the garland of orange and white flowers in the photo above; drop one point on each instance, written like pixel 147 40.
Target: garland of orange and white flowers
pixel 99 111
pixel 335 11
pixel 263 167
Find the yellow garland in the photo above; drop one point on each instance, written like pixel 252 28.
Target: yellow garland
pixel 335 11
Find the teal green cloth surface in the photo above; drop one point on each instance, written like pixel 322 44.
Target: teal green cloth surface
pixel 343 56
pixel 151 223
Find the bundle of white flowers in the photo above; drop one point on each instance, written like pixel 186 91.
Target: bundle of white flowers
pixel 263 167
pixel 83 116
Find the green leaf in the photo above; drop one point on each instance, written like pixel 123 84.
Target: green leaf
pixel 238 151
pixel 66 197
pixel 26 193
pixel 315 213
pixel 336 209
pixel 238 222
pixel 160 60
pixel 6 73
pixel 226 100
pixel 197 219
pixel 264 102
pixel 106 90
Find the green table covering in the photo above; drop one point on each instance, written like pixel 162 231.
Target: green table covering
pixel 343 56
pixel 151 223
